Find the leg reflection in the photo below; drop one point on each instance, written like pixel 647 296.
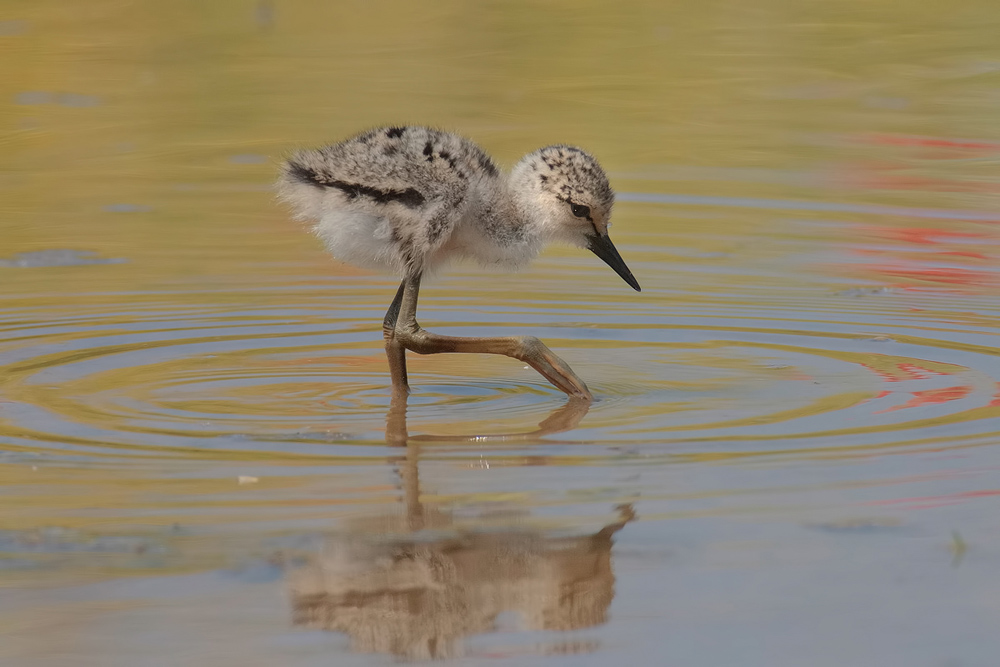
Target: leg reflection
pixel 564 418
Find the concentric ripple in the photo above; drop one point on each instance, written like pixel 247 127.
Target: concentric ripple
pixel 290 371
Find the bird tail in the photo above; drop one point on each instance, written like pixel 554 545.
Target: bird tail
pixel 301 187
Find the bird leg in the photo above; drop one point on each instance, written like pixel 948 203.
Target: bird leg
pixel 394 349
pixel 410 336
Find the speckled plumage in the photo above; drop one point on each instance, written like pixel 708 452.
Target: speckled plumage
pixel 407 199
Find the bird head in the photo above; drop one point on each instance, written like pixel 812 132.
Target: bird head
pixel 565 190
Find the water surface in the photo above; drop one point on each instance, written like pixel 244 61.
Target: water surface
pixel 793 454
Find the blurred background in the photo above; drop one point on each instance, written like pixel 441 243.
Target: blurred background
pixel 793 454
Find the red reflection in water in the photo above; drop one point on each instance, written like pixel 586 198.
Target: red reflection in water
pixel 964 253
pixel 904 370
pixel 931 256
pixel 996 398
pixel 921 235
pixel 916 264
pixel 885 139
pixel 932 397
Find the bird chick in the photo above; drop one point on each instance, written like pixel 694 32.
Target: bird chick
pixel 408 200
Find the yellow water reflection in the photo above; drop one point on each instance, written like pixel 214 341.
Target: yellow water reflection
pixel 194 398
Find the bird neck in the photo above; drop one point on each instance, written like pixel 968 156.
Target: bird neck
pixel 506 216
pixel 500 230
pixel 523 189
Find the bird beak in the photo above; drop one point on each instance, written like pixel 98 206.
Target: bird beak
pixel 606 250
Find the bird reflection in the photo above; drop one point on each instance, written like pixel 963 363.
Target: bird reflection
pixel 561 419
pixel 417 598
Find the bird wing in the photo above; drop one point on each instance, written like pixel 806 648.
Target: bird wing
pixel 415 181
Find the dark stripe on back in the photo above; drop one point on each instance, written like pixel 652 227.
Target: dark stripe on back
pixel 410 197
pixel 304 174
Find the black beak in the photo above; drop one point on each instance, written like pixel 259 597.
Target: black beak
pixel 606 250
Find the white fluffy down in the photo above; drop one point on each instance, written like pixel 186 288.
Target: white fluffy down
pixel 351 236
pixel 361 239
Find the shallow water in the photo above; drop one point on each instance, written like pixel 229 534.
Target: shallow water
pixel 793 454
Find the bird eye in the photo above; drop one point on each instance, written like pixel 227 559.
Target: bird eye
pixel 579 210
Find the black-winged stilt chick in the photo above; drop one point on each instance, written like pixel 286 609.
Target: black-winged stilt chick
pixel 409 199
